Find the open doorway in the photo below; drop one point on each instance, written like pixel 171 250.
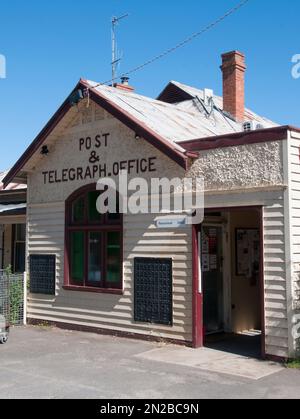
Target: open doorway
pixel 232 278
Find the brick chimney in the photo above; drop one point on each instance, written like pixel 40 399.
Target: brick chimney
pixel 124 85
pixel 233 68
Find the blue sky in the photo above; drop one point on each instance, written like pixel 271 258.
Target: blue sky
pixel 49 45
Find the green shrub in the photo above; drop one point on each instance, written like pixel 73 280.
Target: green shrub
pixel 16 300
pixel 293 364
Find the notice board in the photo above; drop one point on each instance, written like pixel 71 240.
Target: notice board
pixel 247 252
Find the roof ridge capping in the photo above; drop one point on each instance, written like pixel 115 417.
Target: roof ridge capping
pixel 125 94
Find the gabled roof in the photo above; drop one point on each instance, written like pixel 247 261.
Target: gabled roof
pixel 151 119
pixel 169 121
pixel 113 102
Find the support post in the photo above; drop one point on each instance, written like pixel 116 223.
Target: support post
pixel 25 299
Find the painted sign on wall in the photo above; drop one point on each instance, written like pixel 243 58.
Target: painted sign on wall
pixel 95 168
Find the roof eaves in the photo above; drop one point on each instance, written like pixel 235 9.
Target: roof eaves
pixel 237 139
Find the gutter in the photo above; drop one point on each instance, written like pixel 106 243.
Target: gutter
pixel 279 133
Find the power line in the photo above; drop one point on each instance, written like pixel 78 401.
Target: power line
pixel 181 44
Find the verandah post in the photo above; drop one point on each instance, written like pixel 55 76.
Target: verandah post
pixel 25 299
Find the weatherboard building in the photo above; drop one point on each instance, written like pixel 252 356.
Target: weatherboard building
pixel 238 271
pixel 12 226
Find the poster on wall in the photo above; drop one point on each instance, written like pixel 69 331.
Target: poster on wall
pixel 248 252
pixel 209 250
pixel 205 252
pixel 205 263
pixel 213 249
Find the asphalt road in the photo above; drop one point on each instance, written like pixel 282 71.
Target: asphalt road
pixel 51 363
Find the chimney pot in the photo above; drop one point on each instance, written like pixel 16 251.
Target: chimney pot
pixel 125 81
pixel 233 68
pixel 124 85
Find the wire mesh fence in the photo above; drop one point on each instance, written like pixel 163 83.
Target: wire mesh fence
pixel 13 298
pixel 4 302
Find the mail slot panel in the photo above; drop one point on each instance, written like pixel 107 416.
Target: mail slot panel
pixel 153 286
pixel 42 274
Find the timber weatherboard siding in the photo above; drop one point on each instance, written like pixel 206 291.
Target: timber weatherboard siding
pixel 105 311
pixel 46 235
pixel 294 186
pixel 276 320
pixel 261 184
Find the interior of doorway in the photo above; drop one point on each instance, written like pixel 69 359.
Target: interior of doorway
pixel 231 278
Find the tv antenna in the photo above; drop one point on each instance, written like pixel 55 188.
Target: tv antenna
pixel 115 56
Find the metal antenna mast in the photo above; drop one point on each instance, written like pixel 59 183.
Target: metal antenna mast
pixel 115 59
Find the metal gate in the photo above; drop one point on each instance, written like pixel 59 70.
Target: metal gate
pixel 4 305
pixel 13 295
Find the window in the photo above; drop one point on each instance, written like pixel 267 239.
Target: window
pixel 93 244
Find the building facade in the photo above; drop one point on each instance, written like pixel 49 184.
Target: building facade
pixel 12 226
pixel 237 271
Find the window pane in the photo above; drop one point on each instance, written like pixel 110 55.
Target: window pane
pixel 20 257
pixel 114 257
pixel 21 232
pixel 78 211
pixel 117 216
pixel 94 272
pixel 113 217
pixel 93 213
pixel 77 258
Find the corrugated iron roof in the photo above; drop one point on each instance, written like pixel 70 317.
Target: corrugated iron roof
pixel 8 208
pixel 182 121
pixel 11 186
pixel 218 100
pixel 164 124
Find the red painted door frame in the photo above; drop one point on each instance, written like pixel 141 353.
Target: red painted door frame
pixel 198 331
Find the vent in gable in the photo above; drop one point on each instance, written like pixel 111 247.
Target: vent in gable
pixel 99 114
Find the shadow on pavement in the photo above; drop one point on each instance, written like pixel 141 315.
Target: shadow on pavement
pixel 243 345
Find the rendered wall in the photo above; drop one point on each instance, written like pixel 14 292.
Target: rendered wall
pixel 249 166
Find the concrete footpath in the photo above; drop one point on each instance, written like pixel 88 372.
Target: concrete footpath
pixel 51 363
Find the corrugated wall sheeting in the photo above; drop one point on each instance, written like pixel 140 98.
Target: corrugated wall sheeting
pixel 105 311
